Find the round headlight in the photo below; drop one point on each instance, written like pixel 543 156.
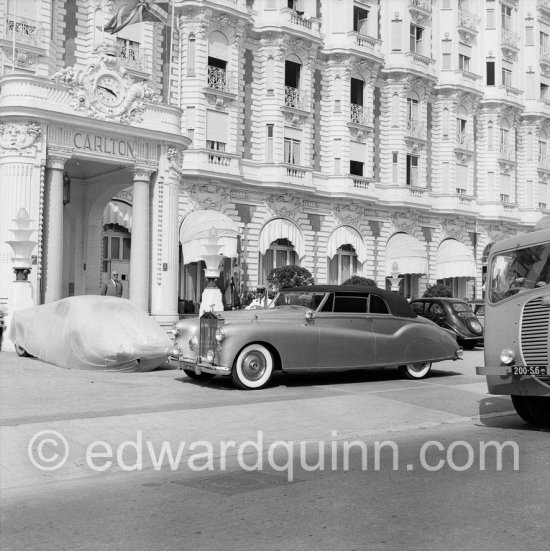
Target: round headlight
pixel 193 342
pixel 507 356
pixel 175 330
pixel 210 356
pixel 220 335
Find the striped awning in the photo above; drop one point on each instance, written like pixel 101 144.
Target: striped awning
pixel 119 213
pixel 281 228
pixel 408 253
pixel 346 235
pixel 454 259
pixel 203 230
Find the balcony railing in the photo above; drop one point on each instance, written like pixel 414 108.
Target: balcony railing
pixel 295 172
pixel 218 79
pixel 361 183
pixel 295 98
pixel 545 53
pixel 468 19
pixel 26 31
pixel 416 129
pixel 465 141
pixel 509 38
pixel 507 152
pixel 132 58
pixel 358 114
pixel 300 20
pixel 423 4
pixel 416 191
pixel 364 41
pixel 219 159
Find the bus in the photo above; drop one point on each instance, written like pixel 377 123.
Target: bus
pixel 517 333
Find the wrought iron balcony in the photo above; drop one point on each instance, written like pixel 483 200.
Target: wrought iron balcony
pixel 465 141
pixel 218 79
pixel 26 32
pixel 509 39
pixel 425 5
pixel 295 98
pixel 416 129
pixel 468 20
pixel 358 114
pixel 132 57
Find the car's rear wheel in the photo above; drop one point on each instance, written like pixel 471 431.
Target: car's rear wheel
pixel 416 370
pixel 253 367
pixel 533 409
pixel 198 376
pixel 20 351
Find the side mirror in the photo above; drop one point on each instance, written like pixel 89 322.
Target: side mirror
pixel 310 315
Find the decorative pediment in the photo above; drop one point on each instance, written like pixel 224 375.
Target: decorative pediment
pixel 104 91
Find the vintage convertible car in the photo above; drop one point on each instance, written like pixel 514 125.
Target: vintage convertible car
pixel 91 332
pixel 312 328
pixel 453 314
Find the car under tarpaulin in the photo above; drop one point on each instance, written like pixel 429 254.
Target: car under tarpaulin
pixel 91 332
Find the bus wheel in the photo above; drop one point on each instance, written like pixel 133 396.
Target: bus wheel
pixel 533 409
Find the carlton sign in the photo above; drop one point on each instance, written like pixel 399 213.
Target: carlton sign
pixel 103 145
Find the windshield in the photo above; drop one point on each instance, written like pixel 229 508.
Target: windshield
pixel 512 272
pixel 310 300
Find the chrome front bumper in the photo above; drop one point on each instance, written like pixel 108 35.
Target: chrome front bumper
pixel 198 365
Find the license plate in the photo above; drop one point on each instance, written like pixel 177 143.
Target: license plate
pixel 529 370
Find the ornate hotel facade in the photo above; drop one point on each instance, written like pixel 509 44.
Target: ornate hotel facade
pixel 372 137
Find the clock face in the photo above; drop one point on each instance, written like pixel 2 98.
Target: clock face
pixel 108 90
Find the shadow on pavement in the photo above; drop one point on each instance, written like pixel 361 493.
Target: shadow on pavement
pixel 495 404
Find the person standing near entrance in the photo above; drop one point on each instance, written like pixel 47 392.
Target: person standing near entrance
pixel 113 287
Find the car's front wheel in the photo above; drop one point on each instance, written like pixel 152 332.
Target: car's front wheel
pixel 20 351
pixel 417 370
pixel 253 367
pixel 198 376
pixel 533 409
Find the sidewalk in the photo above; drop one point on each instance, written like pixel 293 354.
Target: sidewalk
pixel 164 406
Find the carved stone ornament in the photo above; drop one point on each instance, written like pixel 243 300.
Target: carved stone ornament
pixel 104 91
pixel 350 213
pixel 18 136
pixel 209 196
pixel 455 228
pixel 405 221
pixel 284 204
pixel 496 232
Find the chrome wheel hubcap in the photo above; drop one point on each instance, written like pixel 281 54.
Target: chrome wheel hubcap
pixel 254 366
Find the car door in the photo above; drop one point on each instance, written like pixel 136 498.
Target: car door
pixel 346 339
pixel 436 313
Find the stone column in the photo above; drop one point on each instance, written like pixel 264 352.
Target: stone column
pixel 53 228
pixel 139 254
pixel 165 269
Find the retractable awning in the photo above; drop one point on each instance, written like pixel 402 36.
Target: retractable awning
pixel 454 259
pixel 119 213
pixel 281 228
pixel 202 228
pixel 345 235
pixel 409 254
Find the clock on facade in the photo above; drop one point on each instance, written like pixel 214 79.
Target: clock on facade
pixel 108 90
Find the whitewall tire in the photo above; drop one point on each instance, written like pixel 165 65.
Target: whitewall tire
pixel 253 367
pixel 416 370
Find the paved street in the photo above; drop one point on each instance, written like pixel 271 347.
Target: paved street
pixel 412 494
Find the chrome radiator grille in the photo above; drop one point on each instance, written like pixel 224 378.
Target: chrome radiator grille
pixel 207 339
pixel 534 333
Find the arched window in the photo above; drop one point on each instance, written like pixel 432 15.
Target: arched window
pixel 280 253
pixel 462 130
pixel 218 49
pixel 293 75
pixel 504 136
pixel 543 145
pixel 342 265
pixel 270 74
pixel 413 116
pixel 191 47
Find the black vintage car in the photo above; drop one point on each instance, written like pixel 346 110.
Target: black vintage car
pixel 454 314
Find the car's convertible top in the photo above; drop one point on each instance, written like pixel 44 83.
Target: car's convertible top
pixel 397 304
pixel 91 332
